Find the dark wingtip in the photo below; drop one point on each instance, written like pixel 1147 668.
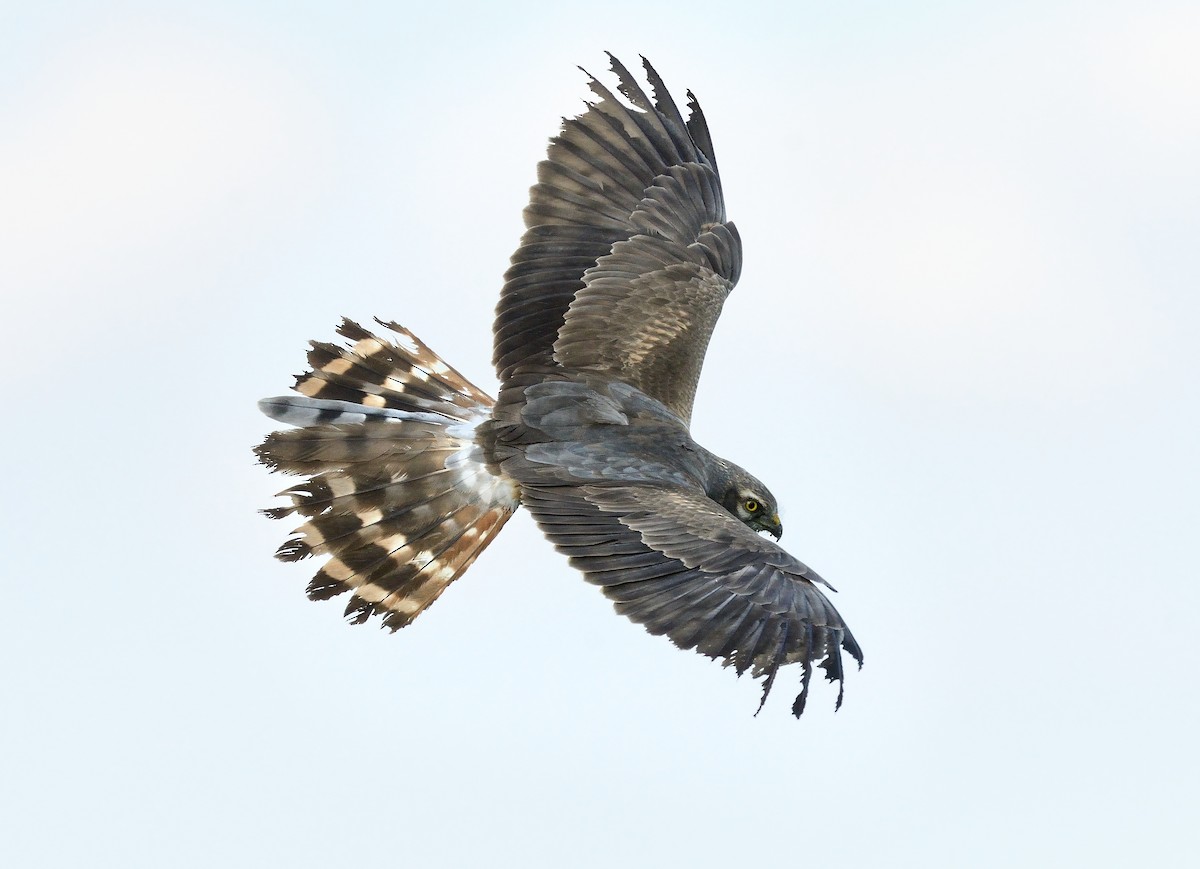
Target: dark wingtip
pixel 802 697
pixel 851 646
pixel 777 659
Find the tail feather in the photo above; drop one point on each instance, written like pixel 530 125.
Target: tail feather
pixel 302 411
pixel 411 521
pixel 455 559
pixel 406 375
pixel 330 447
pixel 404 581
pixel 398 493
pixel 334 490
pixel 333 378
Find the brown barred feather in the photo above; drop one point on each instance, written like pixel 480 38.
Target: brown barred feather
pixel 397 496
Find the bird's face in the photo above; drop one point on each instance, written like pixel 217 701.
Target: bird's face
pixel 756 507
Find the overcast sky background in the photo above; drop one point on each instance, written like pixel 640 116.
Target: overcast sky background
pixel 963 354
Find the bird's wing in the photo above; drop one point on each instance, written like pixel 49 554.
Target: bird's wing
pixel 677 563
pixel 628 256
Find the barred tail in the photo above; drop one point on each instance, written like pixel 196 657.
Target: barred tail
pixel 398 493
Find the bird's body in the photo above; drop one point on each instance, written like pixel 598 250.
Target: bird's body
pixel 599 340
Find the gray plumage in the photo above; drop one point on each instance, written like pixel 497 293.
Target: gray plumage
pixel 600 335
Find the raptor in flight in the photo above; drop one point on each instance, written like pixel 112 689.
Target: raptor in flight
pixel 600 333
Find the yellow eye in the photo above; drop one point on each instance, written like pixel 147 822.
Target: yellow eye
pixel 750 505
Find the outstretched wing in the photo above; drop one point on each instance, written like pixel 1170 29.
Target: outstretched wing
pixel 676 562
pixel 628 257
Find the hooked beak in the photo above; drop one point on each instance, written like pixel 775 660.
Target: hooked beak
pixel 772 526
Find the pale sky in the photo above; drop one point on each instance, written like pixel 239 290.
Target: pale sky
pixel 964 354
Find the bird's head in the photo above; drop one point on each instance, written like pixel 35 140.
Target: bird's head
pixel 750 501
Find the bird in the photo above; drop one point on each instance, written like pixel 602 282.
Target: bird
pixel 600 333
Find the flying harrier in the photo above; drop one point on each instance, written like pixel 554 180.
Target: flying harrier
pixel 600 335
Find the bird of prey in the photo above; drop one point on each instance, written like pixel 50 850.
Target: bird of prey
pixel 600 333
